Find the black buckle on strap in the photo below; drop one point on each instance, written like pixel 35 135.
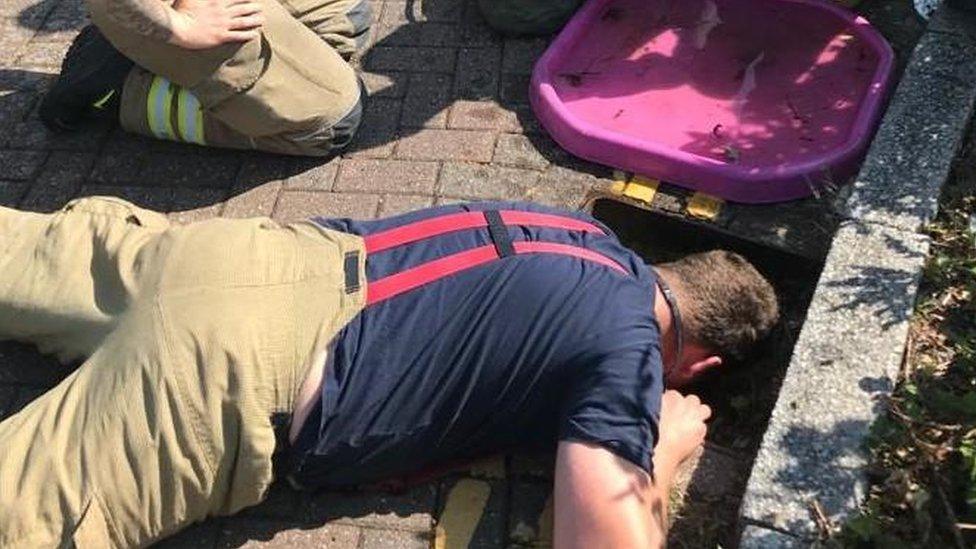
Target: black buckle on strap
pixel 351 268
pixel 499 233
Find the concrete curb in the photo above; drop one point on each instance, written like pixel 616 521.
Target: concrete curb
pixel 850 348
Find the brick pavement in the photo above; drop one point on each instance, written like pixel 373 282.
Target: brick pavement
pixel 448 120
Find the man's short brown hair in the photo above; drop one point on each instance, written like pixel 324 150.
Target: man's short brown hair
pixel 725 304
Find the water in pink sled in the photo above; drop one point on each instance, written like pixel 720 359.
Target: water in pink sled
pixel 756 83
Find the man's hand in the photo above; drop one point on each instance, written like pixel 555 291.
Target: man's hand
pixel 201 24
pixel 681 428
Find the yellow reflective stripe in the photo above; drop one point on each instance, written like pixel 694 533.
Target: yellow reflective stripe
pixel 159 108
pixel 199 120
pixel 190 117
pixel 100 104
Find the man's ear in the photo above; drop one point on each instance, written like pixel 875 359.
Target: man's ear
pixel 700 367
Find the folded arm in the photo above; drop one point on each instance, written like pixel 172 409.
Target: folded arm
pixel 190 24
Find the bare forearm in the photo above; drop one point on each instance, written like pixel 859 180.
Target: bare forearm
pixel 664 471
pixel 149 18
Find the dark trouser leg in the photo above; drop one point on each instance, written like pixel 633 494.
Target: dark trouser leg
pixel 528 17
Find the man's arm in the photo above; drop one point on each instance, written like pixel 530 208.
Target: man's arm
pixel 602 500
pixel 190 24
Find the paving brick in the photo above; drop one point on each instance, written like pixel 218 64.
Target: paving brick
pixel 515 89
pixel 389 176
pixel 418 34
pixel 120 168
pixel 441 10
pixel 201 536
pixel 477 73
pixel 482 115
pixel 561 187
pixel 33 81
pixel 254 202
pixel 13 39
pixel 260 168
pixel 59 181
pixel 427 100
pixel 394 539
pixel 67 16
pixel 156 199
pixel 472 146
pixel 386 83
pixel 31 134
pixel 299 205
pixel 411 510
pixel 19 165
pixel 256 534
pixel 394 204
pixel 120 141
pixel 280 503
pixel 43 54
pixel 413 59
pixel 29 12
pixel 521 53
pixel 557 155
pixel 485 182
pixel 378 130
pixel 11 192
pixel 191 205
pixel 28 394
pixel 519 151
pixel 471 518
pixel 15 104
pixel 207 169
pixel 8 400
pixel 313 175
pixel 529 124
pixel 23 365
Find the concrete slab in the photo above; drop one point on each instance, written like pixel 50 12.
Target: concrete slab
pixel 757 537
pixel 847 355
pixel 914 148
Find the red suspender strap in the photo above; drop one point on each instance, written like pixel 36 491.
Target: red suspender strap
pixel 527 247
pixel 414 277
pixel 436 226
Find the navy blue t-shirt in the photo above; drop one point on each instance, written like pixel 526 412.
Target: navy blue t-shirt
pixel 519 352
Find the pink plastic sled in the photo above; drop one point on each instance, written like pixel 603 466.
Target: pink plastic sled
pixel 750 100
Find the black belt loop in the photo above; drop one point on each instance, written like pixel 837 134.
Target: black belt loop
pixel 351 267
pixel 499 233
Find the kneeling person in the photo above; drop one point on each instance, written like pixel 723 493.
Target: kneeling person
pixel 363 349
pixel 249 74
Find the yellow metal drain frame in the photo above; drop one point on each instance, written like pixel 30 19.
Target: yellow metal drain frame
pixel 642 191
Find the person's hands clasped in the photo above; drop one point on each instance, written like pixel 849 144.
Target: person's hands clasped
pixel 201 24
pixel 681 427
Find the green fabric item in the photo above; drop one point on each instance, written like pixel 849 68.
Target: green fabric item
pixel 533 17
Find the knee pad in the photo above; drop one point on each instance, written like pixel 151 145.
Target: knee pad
pixel 345 129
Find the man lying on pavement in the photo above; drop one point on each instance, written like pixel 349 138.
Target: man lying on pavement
pixel 363 349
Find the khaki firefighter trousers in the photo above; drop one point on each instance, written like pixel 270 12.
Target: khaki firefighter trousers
pixel 195 336
pixel 290 91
